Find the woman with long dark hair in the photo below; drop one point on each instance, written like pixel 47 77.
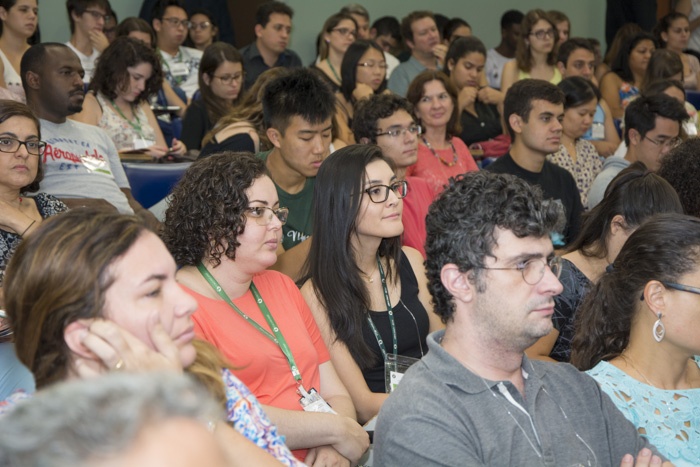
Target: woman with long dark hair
pixel 363 73
pixel 673 33
pixel 637 334
pixel 221 77
pixel 368 295
pixel 631 199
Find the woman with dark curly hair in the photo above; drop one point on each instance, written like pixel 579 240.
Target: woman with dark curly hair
pixel 224 226
pixel 127 74
pixel 441 153
pixel 637 334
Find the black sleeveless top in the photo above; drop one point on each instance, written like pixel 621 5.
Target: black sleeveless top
pixel 412 325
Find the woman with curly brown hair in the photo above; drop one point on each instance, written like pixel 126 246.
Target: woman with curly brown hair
pixel 127 74
pixel 224 226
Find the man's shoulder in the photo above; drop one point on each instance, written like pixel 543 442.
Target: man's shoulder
pixel 503 164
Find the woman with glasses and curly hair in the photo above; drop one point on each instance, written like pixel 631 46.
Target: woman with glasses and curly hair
pixel 127 74
pixel 224 226
pixel 535 55
pixel 369 296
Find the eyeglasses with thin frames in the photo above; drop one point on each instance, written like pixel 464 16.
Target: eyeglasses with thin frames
pixel 396 132
pixel 345 31
pixel 12 145
pixel 542 33
pixel 98 14
pixel 669 143
pixel 204 25
pixel 258 213
pixel 380 193
pixel 533 269
pixel 228 79
pixel 175 22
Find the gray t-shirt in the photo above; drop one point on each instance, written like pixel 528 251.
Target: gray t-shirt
pixel 81 161
pixel 442 414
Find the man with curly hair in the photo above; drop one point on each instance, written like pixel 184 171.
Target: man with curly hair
pixel 680 168
pixel 475 398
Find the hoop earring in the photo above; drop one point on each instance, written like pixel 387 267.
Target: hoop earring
pixel 659 330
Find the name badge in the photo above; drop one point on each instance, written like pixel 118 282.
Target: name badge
pixel 598 131
pixel 142 143
pixel 179 69
pixel 312 401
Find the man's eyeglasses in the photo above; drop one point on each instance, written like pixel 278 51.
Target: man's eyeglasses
pixel 98 15
pixel 542 33
pixel 533 270
pixel 396 132
pixel 175 22
pixel 35 148
pixel 228 79
pixel 202 26
pixel 380 193
pixel 262 218
pixel 345 32
pixel 668 143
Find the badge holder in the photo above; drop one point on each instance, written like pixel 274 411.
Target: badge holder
pixel 312 401
pixel 394 368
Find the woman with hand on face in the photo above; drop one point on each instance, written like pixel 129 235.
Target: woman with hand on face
pixel 128 72
pixel 92 292
pixel 19 22
pixel 630 200
pixel 535 56
pixel 637 334
pixel 478 106
pixel 224 226
pixel 369 296
pixel 220 81
pixel 339 31
pixel 441 153
pixel 623 83
pixel 203 29
pixel 363 74
pixel 673 33
pixel 577 155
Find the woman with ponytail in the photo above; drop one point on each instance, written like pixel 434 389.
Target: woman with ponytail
pixel 638 332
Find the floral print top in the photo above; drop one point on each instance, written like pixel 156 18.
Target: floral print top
pixel 587 166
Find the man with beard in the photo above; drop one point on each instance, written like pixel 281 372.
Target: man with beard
pixel 81 163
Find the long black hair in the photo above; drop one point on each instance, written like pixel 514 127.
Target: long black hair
pixel 331 263
pixel 348 68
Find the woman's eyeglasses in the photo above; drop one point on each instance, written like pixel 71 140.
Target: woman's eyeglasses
pixel 380 193
pixel 34 147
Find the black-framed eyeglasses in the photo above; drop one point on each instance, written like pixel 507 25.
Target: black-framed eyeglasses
pixel 258 213
pixel 682 287
pixel 533 269
pixel 542 33
pixel 228 79
pixel 203 25
pixel 98 14
pixel 668 143
pixel 11 145
pixel 396 132
pixel 175 22
pixel 380 193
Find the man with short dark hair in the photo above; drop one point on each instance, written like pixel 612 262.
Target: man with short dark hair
pixel 505 51
pixel 576 57
pixel 386 32
pixel 387 121
pixel 180 64
pixel 81 163
pixel 87 21
pixel 273 28
pixel 422 37
pixel 652 128
pixel 475 398
pixel 297 110
pixel 533 110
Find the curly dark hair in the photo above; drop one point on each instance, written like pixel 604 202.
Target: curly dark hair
pixel 461 222
pixel 207 210
pixel 369 111
pixel 111 75
pixel 663 249
pixel 680 168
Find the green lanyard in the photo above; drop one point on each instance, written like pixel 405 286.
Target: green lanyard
pixel 278 338
pixel 136 126
pixel 177 79
pixel 391 315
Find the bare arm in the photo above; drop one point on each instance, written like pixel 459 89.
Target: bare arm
pixel 610 90
pixel 510 76
pixel 416 260
pixel 291 261
pixel 608 146
pixel 366 402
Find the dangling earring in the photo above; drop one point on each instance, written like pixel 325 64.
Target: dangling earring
pixel 658 330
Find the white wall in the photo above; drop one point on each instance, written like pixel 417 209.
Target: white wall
pixel 587 16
